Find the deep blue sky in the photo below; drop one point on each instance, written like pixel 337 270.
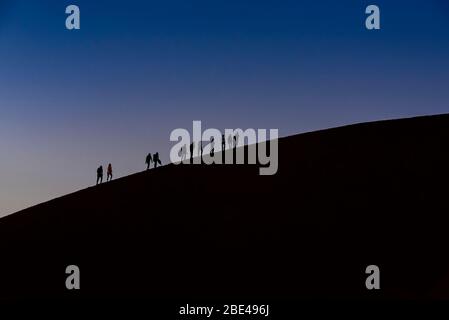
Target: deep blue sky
pixel 114 90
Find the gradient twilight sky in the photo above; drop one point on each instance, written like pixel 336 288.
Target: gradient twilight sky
pixel 114 90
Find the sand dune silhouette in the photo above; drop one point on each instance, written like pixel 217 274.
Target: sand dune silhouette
pixel 343 198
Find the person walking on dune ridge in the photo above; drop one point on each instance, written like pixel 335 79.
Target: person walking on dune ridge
pixel 223 143
pixel 183 153
pixel 212 147
pixel 156 159
pixel 99 175
pixel 148 160
pixel 192 147
pixel 109 173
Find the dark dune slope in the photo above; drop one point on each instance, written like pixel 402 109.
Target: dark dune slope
pixel 344 198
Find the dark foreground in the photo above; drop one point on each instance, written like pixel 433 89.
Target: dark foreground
pixel 343 199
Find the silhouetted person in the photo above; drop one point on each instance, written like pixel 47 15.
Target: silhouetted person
pixel 148 160
pixel 99 174
pixel 109 173
pixel 230 141
pixel 156 159
pixel 200 149
pixel 183 152
pixel 212 147
pixel 192 146
pixel 223 142
pixel 223 146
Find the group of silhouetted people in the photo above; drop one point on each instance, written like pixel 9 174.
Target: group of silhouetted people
pixel 155 159
pixel 149 159
pixel 100 174
pixel 232 142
